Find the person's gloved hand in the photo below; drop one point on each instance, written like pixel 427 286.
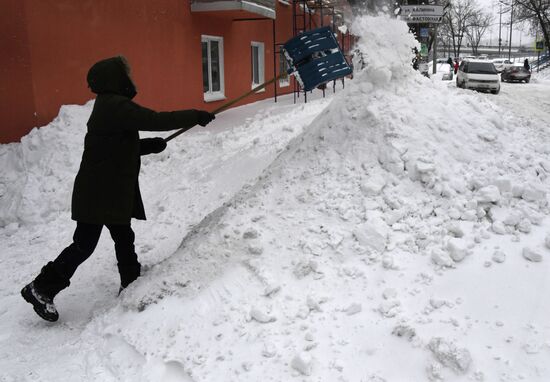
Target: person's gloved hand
pixel 153 145
pixel 158 145
pixel 204 117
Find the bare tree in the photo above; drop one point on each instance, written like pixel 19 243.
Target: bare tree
pixel 480 22
pixel 537 13
pixel 459 17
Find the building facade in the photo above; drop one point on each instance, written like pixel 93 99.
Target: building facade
pixel 184 53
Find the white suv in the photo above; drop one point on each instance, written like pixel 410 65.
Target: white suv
pixel 501 64
pixel 478 75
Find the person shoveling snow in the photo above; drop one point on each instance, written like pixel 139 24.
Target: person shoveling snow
pixel 106 190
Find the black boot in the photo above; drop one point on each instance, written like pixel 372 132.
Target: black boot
pixel 42 304
pixel 128 274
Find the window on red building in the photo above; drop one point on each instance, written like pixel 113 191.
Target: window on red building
pixel 212 68
pixel 257 55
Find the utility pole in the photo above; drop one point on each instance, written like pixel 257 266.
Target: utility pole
pixel 500 29
pixel 538 51
pixel 434 44
pixel 510 42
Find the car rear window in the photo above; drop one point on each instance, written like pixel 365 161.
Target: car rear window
pixel 517 68
pixel 482 68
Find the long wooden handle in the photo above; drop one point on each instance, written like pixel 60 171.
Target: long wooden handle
pixel 229 103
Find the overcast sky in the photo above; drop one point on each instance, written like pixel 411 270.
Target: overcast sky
pixel 519 33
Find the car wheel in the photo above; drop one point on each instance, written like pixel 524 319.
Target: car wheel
pixel 495 91
pixel 527 80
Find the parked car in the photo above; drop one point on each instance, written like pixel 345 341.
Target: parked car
pixel 478 75
pixel 517 72
pixel 501 64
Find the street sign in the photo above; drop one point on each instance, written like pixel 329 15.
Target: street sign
pixel 424 32
pixel 422 13
pixel 413 10
pixel 539 46
pixel 423 19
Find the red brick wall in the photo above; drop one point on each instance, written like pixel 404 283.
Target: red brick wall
pixel 16 86
pixel 47 47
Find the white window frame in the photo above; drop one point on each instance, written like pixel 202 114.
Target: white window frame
pixel 210 95
pixel 261 64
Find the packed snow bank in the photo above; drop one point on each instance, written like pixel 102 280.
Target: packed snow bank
pixel 36 177
pixel 402 236
pixel 38 173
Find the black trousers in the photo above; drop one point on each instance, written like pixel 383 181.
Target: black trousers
pixel 56 274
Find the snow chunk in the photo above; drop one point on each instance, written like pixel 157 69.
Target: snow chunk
pixel 424 167
pixel 353 309
pixel 372 234
pixel 436 304
pixel 517 191
pixel 503 184
pixel 506 215
pixel 374 185
pixel 488 194
pixel 251 233
pixel 524 226
pixel 457 249
pixel 11 228
pixel 499 228
pixel 531 255
pixel 499 257
pixel 269 350
pixel 404 331
pixel 389 308
pixel 304 268
pixel 255 250
pixel 303 363
pixel 314 303
pixel 442 258
pixel 533 194
pixel 457 359
pixel 388 262
pixel 261 317
pixel 455 230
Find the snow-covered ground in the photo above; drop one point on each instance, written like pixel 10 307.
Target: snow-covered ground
pixel 395 231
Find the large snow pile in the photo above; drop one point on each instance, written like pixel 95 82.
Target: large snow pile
pixel 400 237
pixel 337 263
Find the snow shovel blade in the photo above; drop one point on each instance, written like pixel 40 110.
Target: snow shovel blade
pixel 314 58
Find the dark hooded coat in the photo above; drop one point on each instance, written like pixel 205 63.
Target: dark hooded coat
pixel 106 188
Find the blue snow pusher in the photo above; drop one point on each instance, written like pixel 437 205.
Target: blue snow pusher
pixel 314 58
